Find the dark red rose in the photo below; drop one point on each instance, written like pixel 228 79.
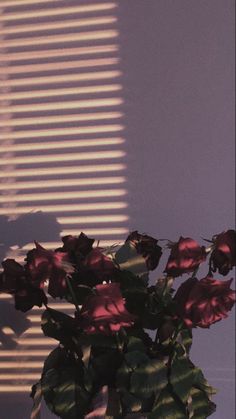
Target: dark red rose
pixel 105 312
pixel 223 256
pixel 186 256
pixel 147 247
pixel 43 264
pixel 202 303
pixel 77 247
pixel 99 265
pixel 15 280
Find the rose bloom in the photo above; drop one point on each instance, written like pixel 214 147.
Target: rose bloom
pixel 147 247
pixel 77 247
pixel 43 264
pixel 99 264
pixel 186 255
pixel 223 256
pixel 105 312
pixel 202 303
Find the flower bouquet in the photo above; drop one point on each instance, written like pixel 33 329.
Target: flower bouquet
pixel 126 350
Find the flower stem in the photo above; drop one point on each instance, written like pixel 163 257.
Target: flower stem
pixel 72 294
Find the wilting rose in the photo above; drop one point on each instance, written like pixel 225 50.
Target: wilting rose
pixel 202 303
pixel 105 312
pixel 43 264
pixel 186 256
pixel 16 281
pixel 77 247
pixel 147 247
pixel 99 264
pixel 223 255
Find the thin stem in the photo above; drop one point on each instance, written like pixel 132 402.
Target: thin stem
pixel 72 294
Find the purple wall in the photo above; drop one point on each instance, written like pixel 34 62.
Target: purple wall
pixel 178 60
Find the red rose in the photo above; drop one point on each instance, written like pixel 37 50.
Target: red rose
pixel 99 264
pixel 45 264
pixel 105 312
pixel 147 247
pixel 202 303
pixel 186 256
pixel 77 247
pixel 223 256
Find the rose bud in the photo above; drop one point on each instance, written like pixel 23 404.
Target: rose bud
pixel 147 247
pixel 202 303
pixel 223 256
pixel 186 255
pixel 105 312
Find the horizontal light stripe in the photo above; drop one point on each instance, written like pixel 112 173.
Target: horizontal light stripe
pixel 63 157
pixel 17 364
pixel 75 104
pixel 58 25
pixel 61 65
pixel 59 92
pixel 98 75
pixel 58 183
pixel 61 170
pixel 58 132
pixel 93 219
pixel 53 246
pixel 6 122
pixel 11 3
pixel 65 208
pixel 36 342
pixel 97 231
pixel 60 145
pixel 57 39
pixel 22 353
pixel 15 388
pixel 19 376
pixel 54 196
pixel 57 11
pixel 58 52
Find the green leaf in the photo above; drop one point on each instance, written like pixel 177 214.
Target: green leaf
pixel 99 404
pixel 186 339
pixel 201 404
pixel 54 359
pixel 131 403
pixel 182 378
pixel 135 344
pixel 201 383
pixel 148 379
pixel 167 407
pixel 59 326
pixel 128 259
pixel 81 292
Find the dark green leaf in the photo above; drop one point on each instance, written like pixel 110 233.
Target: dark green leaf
pixel 201 405
pixel 128 259
pixel 149 378
pixel 130 402
pixel 182 378
pixel 37 397
pixel 59 326
pixel 167 407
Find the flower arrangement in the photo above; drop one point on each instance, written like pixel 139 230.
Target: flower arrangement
pixel 107 365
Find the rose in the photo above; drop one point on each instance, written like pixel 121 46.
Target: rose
pixel 223 256
pixel 77 247
pixel 15 280
pixel 105 311
pixel 43 264
pixel 186 255
pixel 147 247
pixel 202 303
pixel 99 264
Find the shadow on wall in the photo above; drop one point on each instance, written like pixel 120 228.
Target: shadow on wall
pixel 19 232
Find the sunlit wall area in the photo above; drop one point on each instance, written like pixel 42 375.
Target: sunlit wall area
pixel 62 148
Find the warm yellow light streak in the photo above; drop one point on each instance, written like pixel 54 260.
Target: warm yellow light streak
pixel 18 364
pixel 61 170
pixel 15 389
pixel 98 116
pixel 36 341
pixel 55 245
pixel 23 353
pixel 62 65
pixel 58 52
pixel 65 208
pixel 59 92
pixel 63 157
pixel 61 145
pixel 56 11
pixel 75 104
pixel 11 3
pixel 19 376
pixel 96 75
pixel 58 132
pixel 58 25
pixel 93 219
pixel 57 39
pixel 97 231
pixel 54 196
pixel 60 183
pixel 56 306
